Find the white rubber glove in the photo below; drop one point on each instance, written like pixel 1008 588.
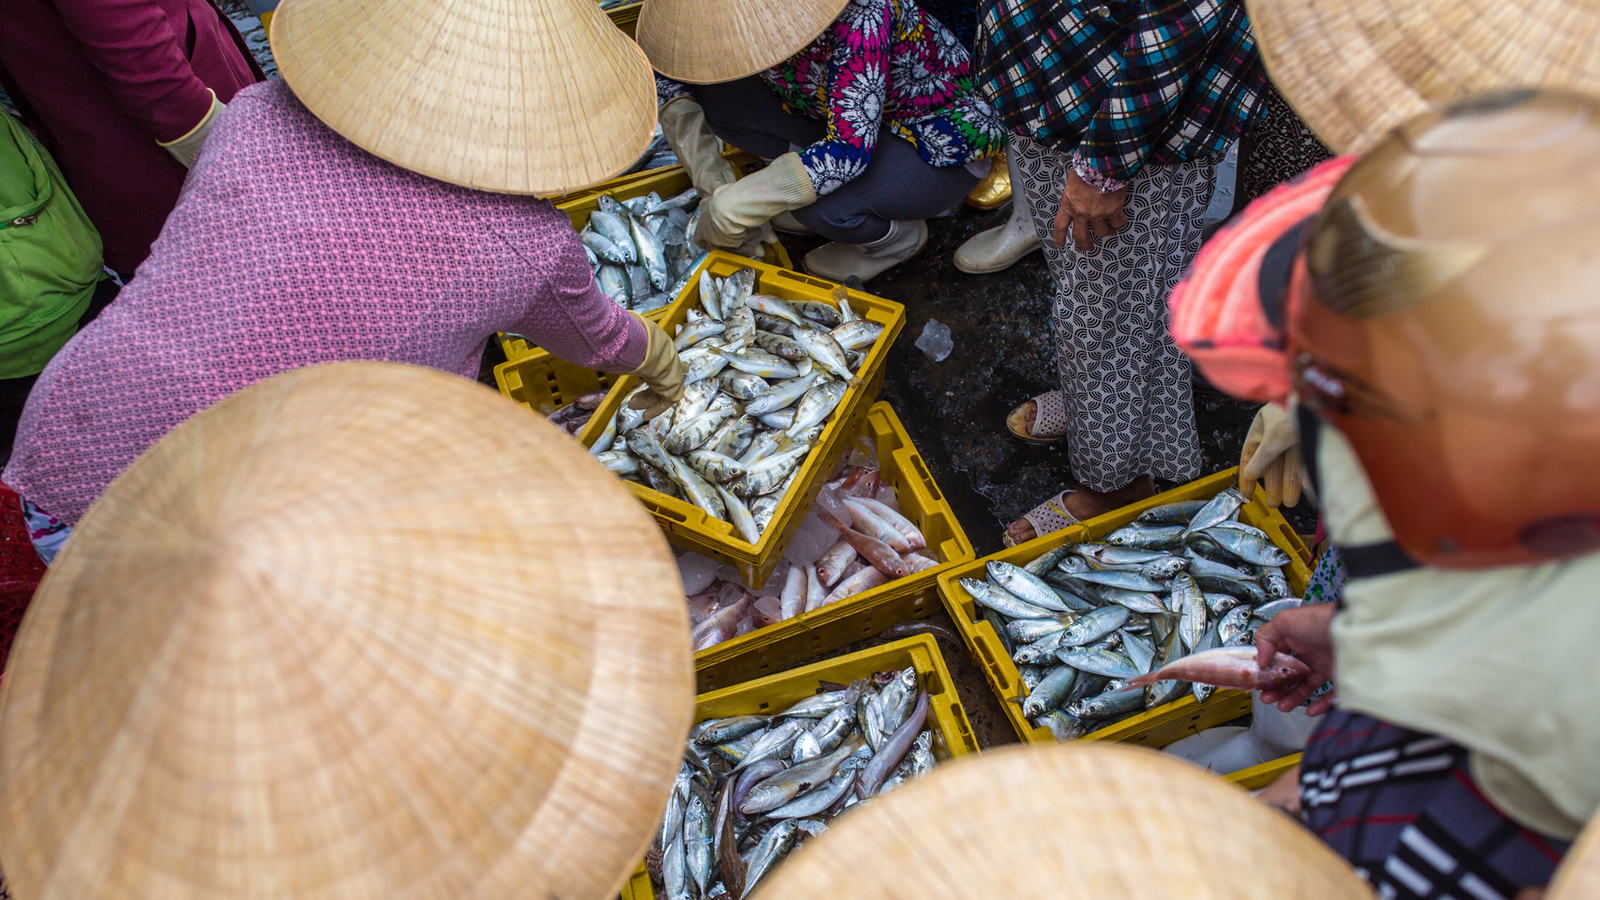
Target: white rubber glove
pixel 733 211
pixel 1272 455
pixel 683 124
pixel 186 148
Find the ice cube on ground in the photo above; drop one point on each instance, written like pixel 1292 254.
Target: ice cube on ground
pixel 697 571
pixel 935 340
pixel 811 541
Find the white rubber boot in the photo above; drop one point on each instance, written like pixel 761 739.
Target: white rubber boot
pixel 836 261
pixel 1000 248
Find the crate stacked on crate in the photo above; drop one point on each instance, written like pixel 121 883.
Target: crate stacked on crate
pixel 1155 727
pixel 771 696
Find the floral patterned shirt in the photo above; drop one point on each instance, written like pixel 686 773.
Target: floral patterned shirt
pixel 881 60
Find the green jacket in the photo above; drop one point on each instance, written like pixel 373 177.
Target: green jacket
pixel 49 255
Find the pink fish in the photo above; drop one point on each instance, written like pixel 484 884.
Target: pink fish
pixel 881 555
pixel 864 580
pixel 830 568
pixel 1230 667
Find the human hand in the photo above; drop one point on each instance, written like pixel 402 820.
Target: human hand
pixel 1307 633
pixel 1271 455
pixel 716 227
pixel 1086 211
pixel 662 369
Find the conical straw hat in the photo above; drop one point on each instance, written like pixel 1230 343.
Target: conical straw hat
pixel 1578 876
pixel 1079 822
pixel 711 41
pixel 1353 69
pixel 517 96
pixel 361 631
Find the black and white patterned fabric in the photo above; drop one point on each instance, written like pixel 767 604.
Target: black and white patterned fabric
pixel 1130 410
pixel 1402 807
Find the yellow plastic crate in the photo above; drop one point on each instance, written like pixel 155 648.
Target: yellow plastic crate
pixel 1153 728
pixel 1257 777
pixel 544 383
pixel 668 182
pixel 689 526
pixel 782 644
pixel 952 733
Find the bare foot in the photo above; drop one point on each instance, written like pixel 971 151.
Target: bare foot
pixel 1086 504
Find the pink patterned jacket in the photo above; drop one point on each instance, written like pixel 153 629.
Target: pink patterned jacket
pixel 291 247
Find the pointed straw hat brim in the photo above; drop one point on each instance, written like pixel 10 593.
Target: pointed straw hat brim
pixel 1354 69
pixel 362 630
pixel 712 41
pixel 542 97
pixel 1080 822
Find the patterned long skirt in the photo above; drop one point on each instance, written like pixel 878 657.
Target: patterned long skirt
pixel 1130 410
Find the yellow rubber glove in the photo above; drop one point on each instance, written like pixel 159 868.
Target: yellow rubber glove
pixel 733 211
pixel 1272 455
pixel 662 370
pixel 186 148
pixel 683 124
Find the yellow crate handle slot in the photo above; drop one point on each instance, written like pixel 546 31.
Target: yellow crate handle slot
pixel 925 482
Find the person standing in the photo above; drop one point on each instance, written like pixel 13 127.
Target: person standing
pixel 1119 114
pixel 122 94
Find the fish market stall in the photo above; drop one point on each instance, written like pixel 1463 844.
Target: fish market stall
pixel 771 762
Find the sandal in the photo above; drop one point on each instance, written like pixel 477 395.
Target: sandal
pixel 1049 422
pixel 1045 518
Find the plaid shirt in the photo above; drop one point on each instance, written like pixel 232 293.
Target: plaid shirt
pixel 1121 83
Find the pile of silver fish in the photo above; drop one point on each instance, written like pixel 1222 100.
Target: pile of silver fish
pixel 752 787
pixel 878 545
pixel 1084 621
pixel 765 376
pixel 642 250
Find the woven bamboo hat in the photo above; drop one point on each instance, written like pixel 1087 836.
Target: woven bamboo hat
pixel 711 41
pixel 361 631
pixel 1066 822
pixel 1353 69
pixel 530 97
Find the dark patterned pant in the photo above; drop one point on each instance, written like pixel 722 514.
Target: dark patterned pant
pixel 1401 806
pixel 1130 410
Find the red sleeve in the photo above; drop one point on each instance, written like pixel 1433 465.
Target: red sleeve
pixel 133 45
